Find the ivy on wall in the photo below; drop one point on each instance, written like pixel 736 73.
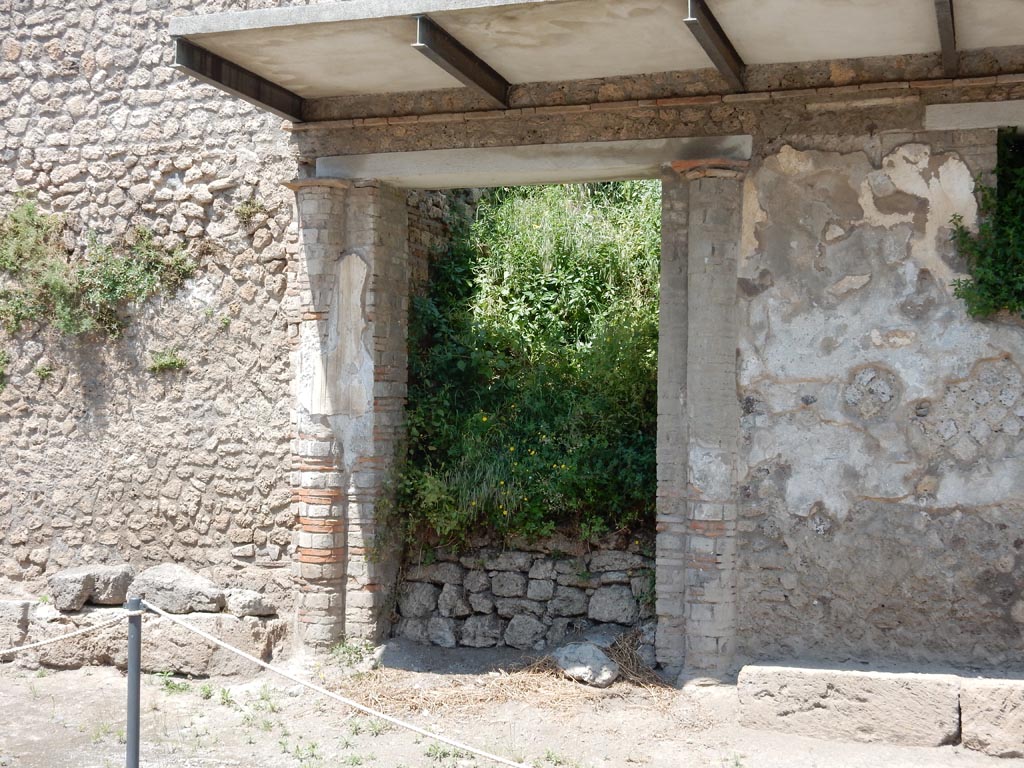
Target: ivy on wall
pixel 995 253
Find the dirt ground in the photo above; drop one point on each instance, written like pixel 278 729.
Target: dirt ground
pixel 52 719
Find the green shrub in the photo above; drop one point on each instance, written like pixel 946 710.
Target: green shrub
pixel 995 253
pixel 81 295
pixel 166 360
pixel 5 360
pixel 533 367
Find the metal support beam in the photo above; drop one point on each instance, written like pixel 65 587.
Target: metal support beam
pixel 459 62
pixel 716 45
pixel 947 37
pixel 228 76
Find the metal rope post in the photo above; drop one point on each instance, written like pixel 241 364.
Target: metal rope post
pixel 131 757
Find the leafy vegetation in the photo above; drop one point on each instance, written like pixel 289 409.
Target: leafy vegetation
pixel 40 283
pixel 166 360
pixel 995 253
pixel 533 367
pixel 5 360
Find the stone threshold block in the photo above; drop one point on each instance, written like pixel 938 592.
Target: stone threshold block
pixel 906 709
pixel 992 716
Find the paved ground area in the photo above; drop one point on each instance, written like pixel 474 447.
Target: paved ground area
pixel 76 718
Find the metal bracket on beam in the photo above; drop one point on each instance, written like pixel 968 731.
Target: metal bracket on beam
pixel 947 37
pixel 459 62
pixel 228 76
pixel 716 44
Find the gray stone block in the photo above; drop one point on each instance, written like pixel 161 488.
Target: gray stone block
pixel 437 573
pixel 452 602
pixel 248 602
pixel 70 588
pixel 512 606
pixel 614 604
pixel 540 589
pixel 568 601
pixel 525 632
pixel 992 716
pixel 477 581
pixel 481 631
pixel 509 584
pixel 13 622
pixel 851 705
pixel 441 631
pixel 586 663
pixel 481 602
pixel 417 600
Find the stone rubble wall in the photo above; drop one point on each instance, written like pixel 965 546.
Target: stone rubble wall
pixel 105 461
pixel 525 599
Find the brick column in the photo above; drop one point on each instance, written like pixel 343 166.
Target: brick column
pixel 698 417
pixel 349 386
pixel 713 414
pixel 673 441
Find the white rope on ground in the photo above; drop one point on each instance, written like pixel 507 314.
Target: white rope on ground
pixel 324 692
pixel 76 633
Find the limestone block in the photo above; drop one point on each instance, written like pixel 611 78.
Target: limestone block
pixel 111 584
pixel 614 604
pixel 509 584
pixel 417 600
pixel 13 622
pixel 481 631
pixel 248 602
pixel 543 569
pixel 992 716
pixel 71 588
pixel 176 589
pixel 586 663
pixel 525 632
pixel 167 646
pixel 452 602
pixel 893 708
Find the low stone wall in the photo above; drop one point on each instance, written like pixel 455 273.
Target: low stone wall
pixel 525 599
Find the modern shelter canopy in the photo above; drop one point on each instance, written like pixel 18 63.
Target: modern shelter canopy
pixel 282 57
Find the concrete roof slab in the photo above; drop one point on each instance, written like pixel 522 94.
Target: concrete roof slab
pixel 988 23
pixel 783 31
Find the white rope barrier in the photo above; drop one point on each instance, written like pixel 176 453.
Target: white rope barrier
pixel 68 636
pixel 329 694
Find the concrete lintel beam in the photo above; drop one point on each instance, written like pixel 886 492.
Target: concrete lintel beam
pixel 227 76
pixel 947 37
pixel 459 62
pixel 712 38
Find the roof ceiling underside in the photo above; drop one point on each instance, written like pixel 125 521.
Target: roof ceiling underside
pixel 364 46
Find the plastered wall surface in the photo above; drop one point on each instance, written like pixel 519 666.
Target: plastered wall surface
pixel 880 481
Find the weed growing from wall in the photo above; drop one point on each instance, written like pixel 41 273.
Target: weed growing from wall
pixel 533 367
pixel 40 283
pixel 166 360
pixel 995 253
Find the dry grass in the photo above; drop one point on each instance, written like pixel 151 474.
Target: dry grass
pixel 540 683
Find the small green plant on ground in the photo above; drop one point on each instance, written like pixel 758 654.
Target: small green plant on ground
pixel 169 684
pixel 206 691
pixel 5 360
pixel 166 360
pixel 351 652
pixel 44 372
pixel 247 211
pixel 533 367
pixel 995 253
pixel 43 284
pixel 226 699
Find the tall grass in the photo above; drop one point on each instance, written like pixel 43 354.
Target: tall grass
pixel 533 367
